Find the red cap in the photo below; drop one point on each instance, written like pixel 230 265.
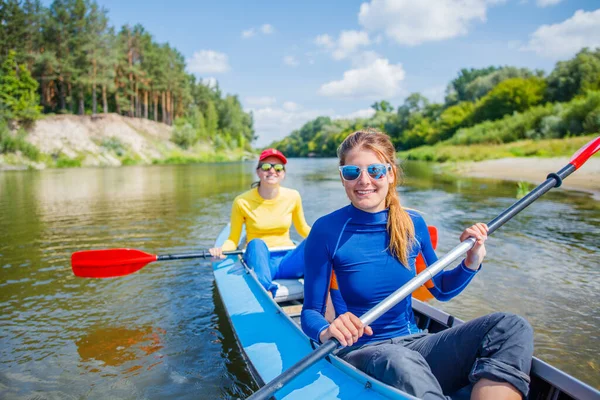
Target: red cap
pixel 272 153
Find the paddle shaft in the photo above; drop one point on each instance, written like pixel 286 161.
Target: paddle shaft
pixel 553 180
pixel 206 254
pixel 203 254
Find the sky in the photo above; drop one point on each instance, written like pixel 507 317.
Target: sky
pixel 290 62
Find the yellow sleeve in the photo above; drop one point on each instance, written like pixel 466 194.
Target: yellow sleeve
pixel 237 220
pixel 298 218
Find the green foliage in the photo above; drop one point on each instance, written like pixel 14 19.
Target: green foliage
pixel 13 143
pixel 523 188
pixel 18 92
pixel 482 85
pixel 451 119
pixel 477 152
pixel 509 96
pixel 457 89
pixel 63 161
pixel 578 117
pixel 184 135
pixel 574 77
pixel 383 105
pixel 115 145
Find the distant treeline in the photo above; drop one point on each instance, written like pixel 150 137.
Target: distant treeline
pixel 67 59
pixel 489 105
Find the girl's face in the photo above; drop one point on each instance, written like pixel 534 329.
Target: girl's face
pixel 271 177
pixel 367 193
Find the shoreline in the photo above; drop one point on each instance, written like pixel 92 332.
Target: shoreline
pixel 534 169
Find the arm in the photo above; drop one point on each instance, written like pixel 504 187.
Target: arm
pixel 298 218
pixel 237 220
pixel 317 272
pixel 447 283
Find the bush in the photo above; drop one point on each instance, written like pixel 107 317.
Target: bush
pixel 12 143
pixel 184 135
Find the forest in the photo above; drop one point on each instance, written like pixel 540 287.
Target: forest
pixel 67 59
pixel 491 106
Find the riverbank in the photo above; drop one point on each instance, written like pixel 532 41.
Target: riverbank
pixel 105 140
pixel 534 170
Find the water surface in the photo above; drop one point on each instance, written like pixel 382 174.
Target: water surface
pixel 162 332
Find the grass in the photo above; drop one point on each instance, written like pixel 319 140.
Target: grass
pixel 479 152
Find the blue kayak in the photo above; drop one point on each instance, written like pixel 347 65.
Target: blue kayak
pixel 271 341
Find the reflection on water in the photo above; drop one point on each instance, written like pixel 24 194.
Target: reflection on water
pixel 115 346
pixel 163 332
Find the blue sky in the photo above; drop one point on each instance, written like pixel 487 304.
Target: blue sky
pixel 291 61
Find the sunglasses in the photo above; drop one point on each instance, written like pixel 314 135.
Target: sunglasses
pixel 375 171
pixel 268 166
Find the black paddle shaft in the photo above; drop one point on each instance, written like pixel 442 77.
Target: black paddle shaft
pixel 203 254
pixel 553 180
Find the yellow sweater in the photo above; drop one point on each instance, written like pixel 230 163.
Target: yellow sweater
pixel 269 220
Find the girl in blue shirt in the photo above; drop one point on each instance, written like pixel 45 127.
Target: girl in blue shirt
pixel 372 245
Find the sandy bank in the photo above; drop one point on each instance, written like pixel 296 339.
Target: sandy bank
pixel 586 178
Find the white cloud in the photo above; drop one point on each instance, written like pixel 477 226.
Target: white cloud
pixel 363 113
pixel 546 3
pixel 378 80
pixel 259 101
pixel 410 22
pixel 291 61
pixel 267 29
pixel 291 106
pixel 348 42
pixel 325 41
pixel 274 123
pixel 364 58
pixel 346 45
pixel 208 62
pixel 564 39
pixel 248 33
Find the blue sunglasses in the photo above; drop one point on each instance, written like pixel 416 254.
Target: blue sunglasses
pixel 375 171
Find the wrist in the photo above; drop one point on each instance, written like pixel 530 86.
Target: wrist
pixel 471 265
pixel 323 336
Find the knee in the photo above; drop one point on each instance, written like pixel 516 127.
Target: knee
pixel 509 324
pixel 256 244
pixel 511 339
pixel 254 247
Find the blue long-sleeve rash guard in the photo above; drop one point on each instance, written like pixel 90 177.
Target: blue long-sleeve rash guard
pixel 354 244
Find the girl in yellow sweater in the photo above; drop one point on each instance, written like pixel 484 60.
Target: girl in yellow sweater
pixel 268 211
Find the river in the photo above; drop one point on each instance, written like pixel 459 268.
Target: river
pixel 162 332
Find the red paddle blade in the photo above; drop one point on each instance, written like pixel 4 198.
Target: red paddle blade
pixel 109 263
pixel 582 155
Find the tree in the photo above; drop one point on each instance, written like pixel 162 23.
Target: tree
pixel 574 77
pixel 18 91
pixel 516 94
pixel 482 85
pixel 382 106
pixel 457 89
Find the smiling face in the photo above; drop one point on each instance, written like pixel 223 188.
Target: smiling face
pixel 270 178
pixel 365 193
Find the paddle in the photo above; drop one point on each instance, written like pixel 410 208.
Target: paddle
pixel 110 263
pixel 553 180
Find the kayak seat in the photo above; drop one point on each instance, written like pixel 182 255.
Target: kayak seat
pixel 289 289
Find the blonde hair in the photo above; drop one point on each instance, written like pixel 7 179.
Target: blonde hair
pixel 399 224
